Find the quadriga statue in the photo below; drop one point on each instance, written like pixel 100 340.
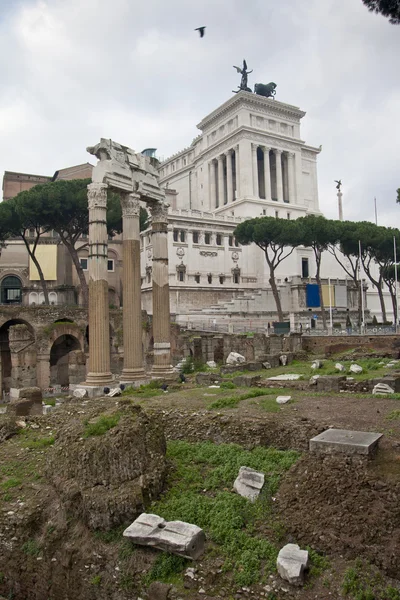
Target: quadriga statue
pixel 268 90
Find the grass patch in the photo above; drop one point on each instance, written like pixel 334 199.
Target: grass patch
pixel 102 425
pixel 166 568
pixel 31 548
pixel 361 582
pixel 269 405
pixel 10 483
pixel 199 491
pixel 39 443
pixel 147 390
pixel 392 416
pixel 227 385
pixel 96 580
pixel 49 401
pixel 232 401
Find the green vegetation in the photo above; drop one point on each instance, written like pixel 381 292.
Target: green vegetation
pixel 233 401
pixel 10 483
pixel 395 414
pixel 39 443
pixel 318 564
pixel 49 401
pixel 96 580
pixel 361 582
pixel 147 390
pixel 227 385
pixel 102 425
pixel 2 577
pixel 269 404
pixel 199 491
pixel 166 568
pixel 31 548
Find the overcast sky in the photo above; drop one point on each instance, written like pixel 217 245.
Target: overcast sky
pixel 72 71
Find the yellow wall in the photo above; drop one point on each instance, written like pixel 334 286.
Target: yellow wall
pixel 325 295
pixel 46 255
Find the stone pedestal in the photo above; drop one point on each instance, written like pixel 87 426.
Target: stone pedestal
pixel 99 326
pixel 161 315
pixel 132 314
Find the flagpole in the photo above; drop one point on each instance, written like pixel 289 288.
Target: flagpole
pixel 330 305
pixel 396 287
pixel 376 213
pixel 361 289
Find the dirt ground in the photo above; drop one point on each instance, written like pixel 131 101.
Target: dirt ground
pixel 345 508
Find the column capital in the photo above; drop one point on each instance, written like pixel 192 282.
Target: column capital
pixel 220 157
pixel 230 151
pixel 254 146
pixel 130 205
pixel 290 154
pixel 277 151
pixel 266 148
pixel 97 195
pixel 159 212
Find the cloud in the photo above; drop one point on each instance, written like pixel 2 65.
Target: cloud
pixel 74 71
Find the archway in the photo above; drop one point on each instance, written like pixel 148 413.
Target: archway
pixel 11 288
pixel 60 360
pixel 5 353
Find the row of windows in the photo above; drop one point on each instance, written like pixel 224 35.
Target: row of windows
pixel 197 278
pixel 85 264
pixel 179 235
pixel 277 214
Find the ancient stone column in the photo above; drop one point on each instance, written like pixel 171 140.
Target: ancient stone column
pixel 161 316
pixel 131 289
pixel 221 187
pixel 290 163
pixel 279 180
pixel 256 191
pixel 237 192
pixel 229 176
pixel 267 174
pixel 213 185
pixel 99 326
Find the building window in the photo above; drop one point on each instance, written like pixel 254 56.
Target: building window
pixel 231 240
pixel 195 237
pixel 304 268
pixel 207 238
pixel 219 239
pixel 11 287
pixel 288 216
pixel 181 276
pixel 236 244
pixel 176 235
pixel 31 232
pixel 84 263
pixel 264 212
pixel 277 214
pixel 110 265
pixel 182 235
pixel 197 278
pixel 236 275
pixel 148 274
pixel 209 278
pixel 221 279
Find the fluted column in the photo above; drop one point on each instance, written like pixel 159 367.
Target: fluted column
pixel 291 167
pixel 229 176
pixel 237 192
pixel 161 315
pixel 279 180
pixel 267 174
pixel 131 282
pixel 213 185
pixel 221 189
pixel 99 320
pixel 256 191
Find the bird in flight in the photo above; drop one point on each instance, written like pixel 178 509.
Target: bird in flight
pixel 201 30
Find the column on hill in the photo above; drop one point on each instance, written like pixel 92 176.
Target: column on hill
pixel 161 315
pixel 99 321
pixel 131 282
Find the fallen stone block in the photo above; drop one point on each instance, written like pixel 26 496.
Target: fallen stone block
pixel 254 366
pixel 356 369
pixel 285 377
pixel 283 359
pixel 207 378
pixel 176 537
pixel 314 379
pixel 114 392
pixel 333 441
pixel 339 367
pixel 266 365
pixel 47 408
pixel 80 393
pixel 28 402
pixel 382 388
pixel 292 563
pixel 246 380
pixel 235 358
pixel 212 364
pixel 328 383
pixel 283 399
pixel 249 483
pixel 317 364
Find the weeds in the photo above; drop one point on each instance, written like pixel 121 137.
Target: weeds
pixel 31 548
pixel 49 401
pixel 233 401
pixel 10 483
pixel 395 414
pixel 101 426
pixel 166 568
pixel 361 582
pixel 199 492
pixel 39 443
pixel 96 580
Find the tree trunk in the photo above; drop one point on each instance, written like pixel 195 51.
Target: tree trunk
pixel 39 269
pixel 318 278
pixel 382 302
pixel 79 271
pixel 275 293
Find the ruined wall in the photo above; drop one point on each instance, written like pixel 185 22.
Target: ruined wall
pixel 382 344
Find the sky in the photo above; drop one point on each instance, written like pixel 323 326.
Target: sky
pixel 73 71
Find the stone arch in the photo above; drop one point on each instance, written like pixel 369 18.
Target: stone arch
pixel 6 365
pixel 66 327
pixel 65 352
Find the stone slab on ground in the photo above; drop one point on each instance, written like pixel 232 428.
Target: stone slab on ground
pixel 328 383
pixel 246 380
pixel 235 358
pixel 93 391
pixel 344 441
pixel 249 483
pixel 176 537
pixel 291 563
pixel 283 399
pixel 285 377
pixel 382 389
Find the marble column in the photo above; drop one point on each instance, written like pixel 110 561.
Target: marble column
pixel 267 174
pixel 99 321
pixel 254 161
pixel 236 193
pixel 161 315
pixel 229 176
pixel 221 186
pixel 279 180
pixel 291 167
pixel 213 185
pixel 131 289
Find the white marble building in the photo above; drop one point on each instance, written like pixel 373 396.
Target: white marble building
pixel 248 161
